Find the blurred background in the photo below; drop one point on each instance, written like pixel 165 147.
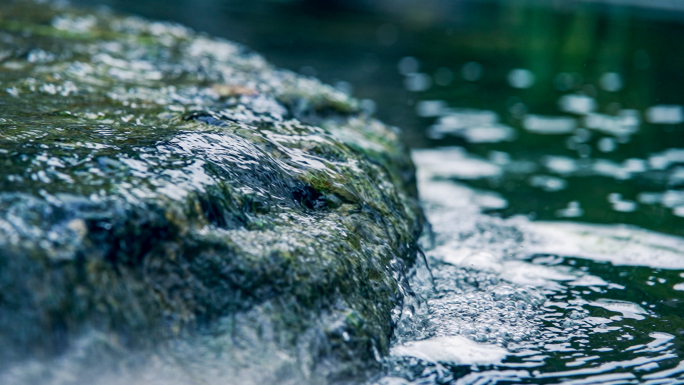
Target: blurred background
pixel 576 103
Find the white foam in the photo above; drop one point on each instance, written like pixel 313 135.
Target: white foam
pixel 572 210
pixel 453 162
pixel 464 199
pixel 626 123
pixel 549 124
pixel 530 274
pixel 577 104
pixel 617 244
pixel 560 164
pixel 470 258
pixel 548 183
pixel 455 350
pixel 663 160
pixel 622 171
pixel 489 134
pixel 628 309
pixel 458 119
pixel 484 265
pixel 665 114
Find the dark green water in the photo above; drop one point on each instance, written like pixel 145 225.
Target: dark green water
pixel 519 115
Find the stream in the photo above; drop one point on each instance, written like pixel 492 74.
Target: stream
pixel 550 164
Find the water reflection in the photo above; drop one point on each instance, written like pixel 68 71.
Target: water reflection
pixel 546 302
pixel 520 301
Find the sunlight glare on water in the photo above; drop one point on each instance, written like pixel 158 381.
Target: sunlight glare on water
pixel 521 301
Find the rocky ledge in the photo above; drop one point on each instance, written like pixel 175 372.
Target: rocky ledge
pixel 171 201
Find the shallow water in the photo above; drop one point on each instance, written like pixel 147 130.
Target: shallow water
pixel 551 166
pixel 521 301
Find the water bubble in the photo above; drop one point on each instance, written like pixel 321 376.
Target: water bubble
pixel 345 87
pixel 560 164
pixel 573 210
pixel 13 91
pixel 665 159
pixel 582 135
pixel 431 108
pixel 74 23
pixel 548 183
pixel 39 56
pixel 408 65
pixel 620 204
pixel 368 106
pixel 665 114
pixel 453 162
pixel 577 104
pixel 607 145
pixel 521 78
pixel 472 71
pixel 611 82
pixel 417 82
pixel 488 134
pixel 577 315
pixel 458 122
pixel 549 124
pixel 624 124
pixel 678 211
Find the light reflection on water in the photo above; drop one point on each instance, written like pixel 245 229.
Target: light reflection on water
pixel 610 316
pixel 520 301
pixel 516 300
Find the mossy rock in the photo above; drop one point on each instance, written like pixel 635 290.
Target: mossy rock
pixel 161 188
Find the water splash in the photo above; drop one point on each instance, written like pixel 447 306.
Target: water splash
pixel 520 301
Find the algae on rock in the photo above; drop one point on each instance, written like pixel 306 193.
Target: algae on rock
pixel 160 185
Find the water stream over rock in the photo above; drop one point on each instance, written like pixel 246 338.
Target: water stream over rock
pixel 175 210
pixel 510 301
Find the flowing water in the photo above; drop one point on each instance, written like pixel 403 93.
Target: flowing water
pixel 550 160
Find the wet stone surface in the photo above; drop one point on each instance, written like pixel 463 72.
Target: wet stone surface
pixel 160 185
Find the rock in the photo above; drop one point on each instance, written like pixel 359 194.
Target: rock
pixel 172 205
